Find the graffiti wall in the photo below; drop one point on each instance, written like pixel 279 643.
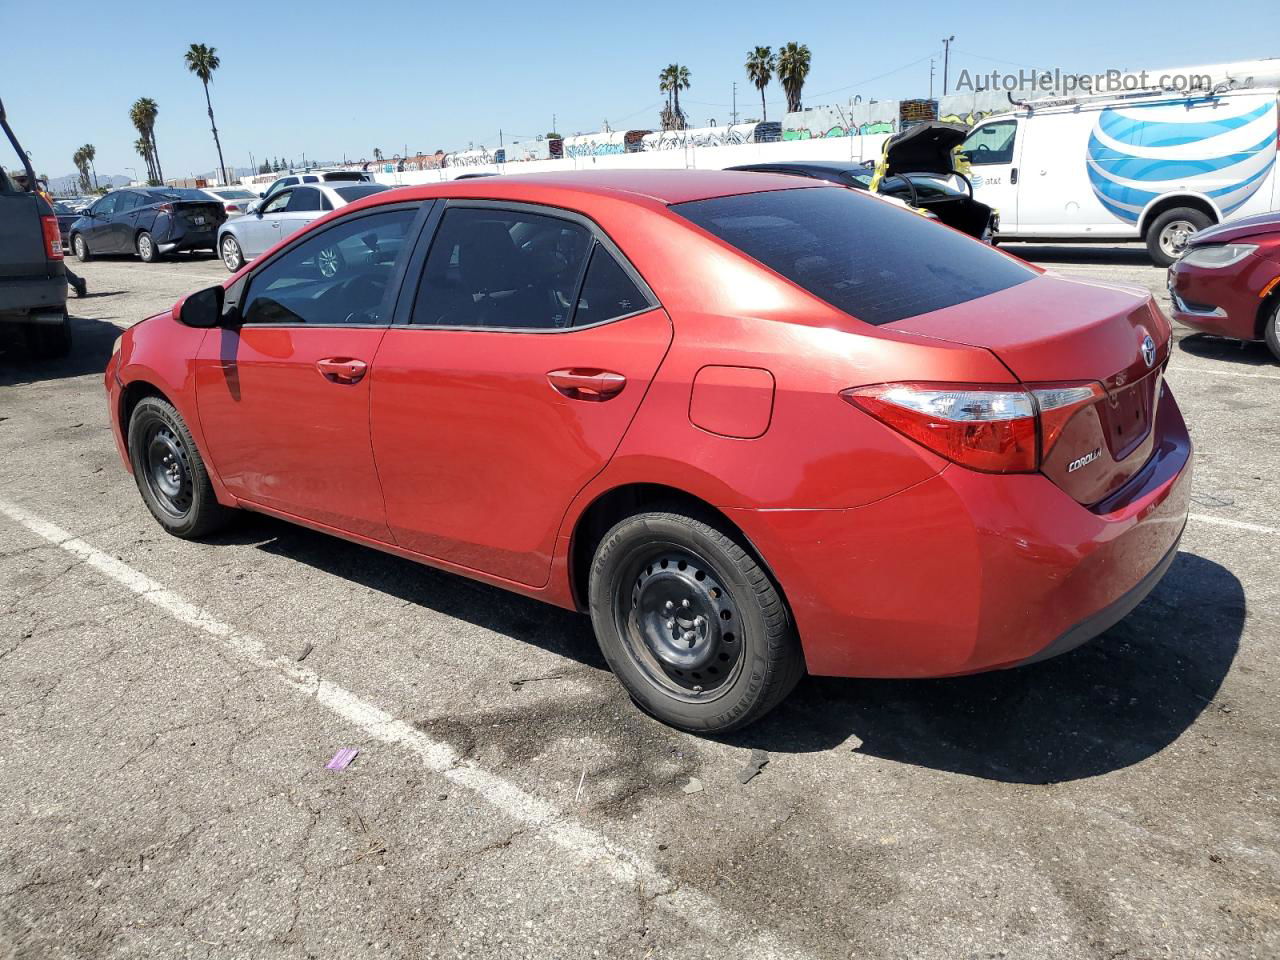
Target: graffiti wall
pixel 726 136
pixel 604 143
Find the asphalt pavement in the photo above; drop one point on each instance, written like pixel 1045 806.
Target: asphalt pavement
pixel 167 711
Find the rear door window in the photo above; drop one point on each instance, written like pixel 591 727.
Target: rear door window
pixel 502 269
pixel 874 261
pixel 304 200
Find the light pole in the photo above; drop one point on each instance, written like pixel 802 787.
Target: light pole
pixel 946 61
pixel 134 171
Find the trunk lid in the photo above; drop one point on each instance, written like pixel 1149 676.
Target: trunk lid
pixel 1054 330
pixel 200 215
pixel 924 148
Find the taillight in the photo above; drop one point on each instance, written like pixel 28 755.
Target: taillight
pixel 52 237
pixel 995 429
pixel 232 208
pixel 165 208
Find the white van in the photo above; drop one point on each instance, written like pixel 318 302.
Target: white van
pixel 1149 166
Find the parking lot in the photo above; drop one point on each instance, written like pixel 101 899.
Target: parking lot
pixel 168 709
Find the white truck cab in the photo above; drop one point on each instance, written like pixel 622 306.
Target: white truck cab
pixel 1155 166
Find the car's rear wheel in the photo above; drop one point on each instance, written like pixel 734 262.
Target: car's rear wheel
pixel 1271 329
pixel 49 341
pixel 170 473
pixel 691 624
pixel 147 249
pixel 1168 234
pixel 232 255
pixel 81 248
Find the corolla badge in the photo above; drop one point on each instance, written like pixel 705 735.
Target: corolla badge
pixel 1084 461
pixel 1149 350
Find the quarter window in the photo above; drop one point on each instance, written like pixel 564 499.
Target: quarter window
pixel 607 292
pixel 340 276
pixel 502 268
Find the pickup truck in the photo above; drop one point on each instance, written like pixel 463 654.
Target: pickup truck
pixel 33 278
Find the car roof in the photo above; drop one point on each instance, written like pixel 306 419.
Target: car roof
pixel 825 166
pixel 645 186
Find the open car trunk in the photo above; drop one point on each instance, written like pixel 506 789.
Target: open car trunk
pixel 924 148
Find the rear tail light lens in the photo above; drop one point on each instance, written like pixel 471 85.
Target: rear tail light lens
pixel 232 208
pixel 165 208
pixel 52 237
pixel 994 429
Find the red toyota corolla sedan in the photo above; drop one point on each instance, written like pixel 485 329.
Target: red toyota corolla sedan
pixel 1227 281
pixel 753 425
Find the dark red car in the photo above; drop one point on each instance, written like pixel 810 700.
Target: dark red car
pixel 1227 281
pixel 752 424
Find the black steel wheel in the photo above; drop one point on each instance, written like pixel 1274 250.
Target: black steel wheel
pixel 679 623
pixel 690 622
pixel 169 472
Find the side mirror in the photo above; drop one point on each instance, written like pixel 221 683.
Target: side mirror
pixel 202 309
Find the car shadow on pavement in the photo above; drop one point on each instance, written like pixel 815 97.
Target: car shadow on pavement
pixel 1135 255
pixel 91 343
pixel 1112 703
pixel 1249 353
pixel 552 628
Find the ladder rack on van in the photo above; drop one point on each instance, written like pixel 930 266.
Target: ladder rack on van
pixel 1229 85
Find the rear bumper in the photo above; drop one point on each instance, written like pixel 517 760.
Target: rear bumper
pixel 34 295
pixel 966 572
pixel 190 239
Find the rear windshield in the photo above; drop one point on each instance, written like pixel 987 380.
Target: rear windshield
pixel 343 175
pixel 876 262
pixel 176 193
pixel 235 194
pixel 350 194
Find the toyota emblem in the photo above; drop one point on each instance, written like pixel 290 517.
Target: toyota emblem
pixel 1149 350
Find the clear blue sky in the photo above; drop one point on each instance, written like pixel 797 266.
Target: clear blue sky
pixel 342 78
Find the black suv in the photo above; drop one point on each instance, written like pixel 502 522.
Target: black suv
pixel 148 221
pixel 33 278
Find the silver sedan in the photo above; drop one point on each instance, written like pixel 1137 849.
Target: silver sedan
pixel 284 213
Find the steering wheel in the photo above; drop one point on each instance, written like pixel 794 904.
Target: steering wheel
pixel 367 287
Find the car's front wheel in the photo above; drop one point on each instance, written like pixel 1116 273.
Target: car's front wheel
pixel 232 255
pixel 1271 331
pixel 690 622
pixel 147 248
pixel 170 473
pixel 81 248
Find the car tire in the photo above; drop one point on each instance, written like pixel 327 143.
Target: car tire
pixel 691 623
pixel 49 341
pixel 81 247
pixel 232 255
pixel 1271 329
pixel 147 249
pixel 170 472
pixel 1167 234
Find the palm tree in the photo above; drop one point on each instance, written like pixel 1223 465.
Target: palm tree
pixel 82 165
pixel 793 68
pixel 89 154
pixel 143 146
pixel 760 66
pixel 671 81
pixel 143 114
pixel 202 61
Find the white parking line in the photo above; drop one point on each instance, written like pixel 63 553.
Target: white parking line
pixel 1226 373
pixel 584 844
pixel 1234 524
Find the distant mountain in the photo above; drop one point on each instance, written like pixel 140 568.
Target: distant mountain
pixel 71 182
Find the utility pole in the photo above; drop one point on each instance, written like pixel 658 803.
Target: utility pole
pixel 735 101
pixel 946 61
pixel 931 78
pixel 553 124
pixel 499 138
